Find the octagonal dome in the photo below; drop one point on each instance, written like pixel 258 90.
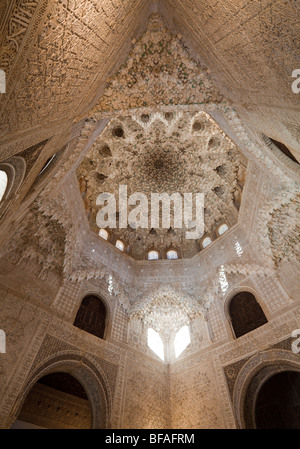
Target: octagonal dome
pixel 164 152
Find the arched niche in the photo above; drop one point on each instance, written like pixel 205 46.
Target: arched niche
pixel 87 373
pixel 277 404
pixel 56 401
pixel 253 375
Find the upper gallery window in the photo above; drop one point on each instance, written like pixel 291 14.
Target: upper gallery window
pixel 223 228
pixel 152 255
pixel 47 164
pixel 103 233
pixel 120 245
pixel 245 313
pixel 284 149
pixel 172 254
pixel 205 242
pixel 91 316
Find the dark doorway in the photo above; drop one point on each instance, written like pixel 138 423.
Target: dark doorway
pixel 278 402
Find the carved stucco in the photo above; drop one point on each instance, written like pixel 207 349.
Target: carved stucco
pixel 158 71
pixel 160 157
pixel 39 239
pixel 49 408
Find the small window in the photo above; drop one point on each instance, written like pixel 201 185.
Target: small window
pixel 284 150
pixel 205 242
pixel 152 255
pixel 104 234
pixel 155 343
pixel 172 254
pixel 182 340
pixel 223 228
pixel 120 245
pixel 47 164
pixel 3 183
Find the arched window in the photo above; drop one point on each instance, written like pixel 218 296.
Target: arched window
pixel 182 340
pixel 3 183
pixel 223 228
pixel 152 255
pixel 47 164
pixel 120 245
pixel 205 242
pixel 155 343
pixel 172 254
pixel 91 316
pixel 104 234
pixel 284 149
pixel 245 313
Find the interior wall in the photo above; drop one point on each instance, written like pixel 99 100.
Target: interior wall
pixel 146 394
pixel 195 399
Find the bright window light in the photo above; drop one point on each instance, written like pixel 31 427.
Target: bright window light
pixel 206 242
pixel 223 228
pixel 172 254
pixel 182 340
pixel 153 255
pixel 120 245
pixel 103 233
pixel 3 183
pixel 155 343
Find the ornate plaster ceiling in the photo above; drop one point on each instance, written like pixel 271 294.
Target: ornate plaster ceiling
pixel 159 71
pixel 164 152
pixel 154 144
